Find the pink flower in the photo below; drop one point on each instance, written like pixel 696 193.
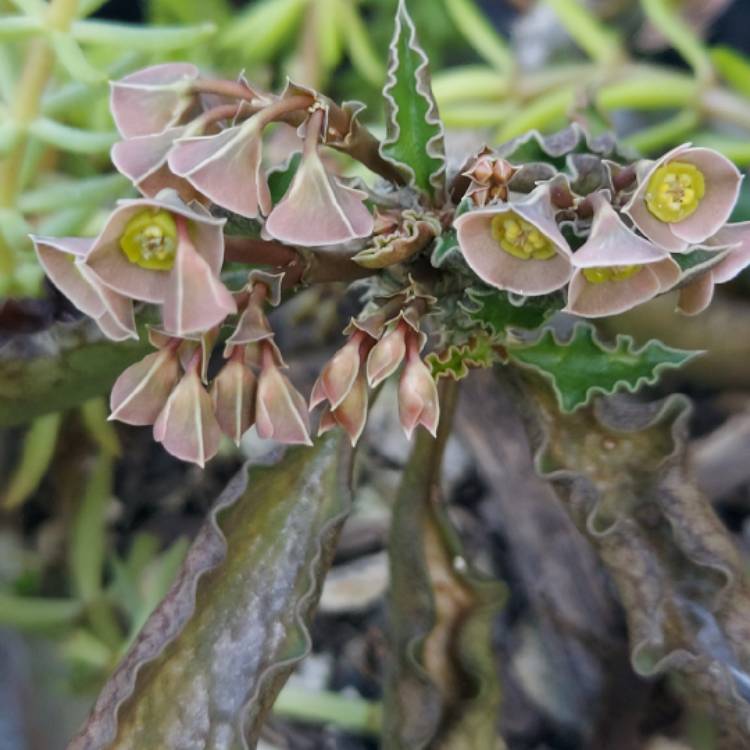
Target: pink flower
pixel 351 413
pixel 186 426
pixel 389 352
pixel 684 197
pixel 140 393
pixel 516 245
pixel 418 401
pixel 233 392
pixel 696 296
pixel 161 250
pixel 153 99
pixel 62 260
pixel 280 410
pixel 318 209
pixel 615 269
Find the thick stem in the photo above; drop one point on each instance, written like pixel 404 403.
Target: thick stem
pixel 261 252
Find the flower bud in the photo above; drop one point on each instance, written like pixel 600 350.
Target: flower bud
pixel 280 410
pixel 387 354
pixel 186 426
pixel 418 401
pixel 141 391
pixel 338 376
pixel 233 393
pixel 351 414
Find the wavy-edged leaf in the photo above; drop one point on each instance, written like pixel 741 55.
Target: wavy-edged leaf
pixel 414 141
pixel 497 311
pixel 620 469
pixel 207 666
pixel 442 689
pixel 456 361
pixel 583 365
pixel 58 368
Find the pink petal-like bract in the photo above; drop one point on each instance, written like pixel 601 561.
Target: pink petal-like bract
pixel 722 185
pixel 338 375
pixel 387 355
pixel 186 426
pixel 141 391
pixel 195 299
pixel 227 167
pixel 318 209
pixel 418 401
pixel 233 393
pixel 351 414
pixel 63 261
pixel 112 266
pixel 153 99
pixel 499 268
pixel 280 410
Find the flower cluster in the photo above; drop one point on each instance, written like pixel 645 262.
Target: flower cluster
pixel 222 228
pixel 615 247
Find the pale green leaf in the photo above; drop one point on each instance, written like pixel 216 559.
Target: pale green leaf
pixel 141 38
pixel 74 140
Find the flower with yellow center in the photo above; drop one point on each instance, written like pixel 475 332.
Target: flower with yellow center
pixel 520 238
pixel 150 239
pixel 675 191
pixel 600 274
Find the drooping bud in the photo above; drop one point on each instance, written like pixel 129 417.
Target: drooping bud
pixel 317 209
pixel 233 392
pixel 280 410
pixel 63 261
pixel 684 197
pixel 387 354
pixel 338 376
pixel 418 401
pixel 186 426
pixel 153 99
pixel 351 413
pixel 141 391
pixel 615 268
pixel 517 245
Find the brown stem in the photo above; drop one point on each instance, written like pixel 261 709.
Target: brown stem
pixel 260 252
pixel 233 89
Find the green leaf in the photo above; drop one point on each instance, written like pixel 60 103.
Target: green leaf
pixel 414 141
pixel 37 614
pixel 497 311
pixel 236 620
pixel 455 361
pixel 71 57
pixel 480 33
pixel 92 191
pixel 139 37
pixel 70 139
pixel 59 368
pixel 363 56
pixel 446 246
pixel 17 27
pixel 582 366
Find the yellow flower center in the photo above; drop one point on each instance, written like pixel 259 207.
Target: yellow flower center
pixel 521 239
pixel 600 274
pixel 150 239
pixel 674 191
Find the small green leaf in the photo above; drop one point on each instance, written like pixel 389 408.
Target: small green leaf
pixel 497 311
pixel 455 361
pixel 37 614
pixel 582 366
pixel 71 57
pixel 445 246
pixel 414 141
pixel 92 191
pixel 18 27
pixel 480 33
pixel 363 56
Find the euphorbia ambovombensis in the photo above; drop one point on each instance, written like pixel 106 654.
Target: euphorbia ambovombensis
pixel 464 260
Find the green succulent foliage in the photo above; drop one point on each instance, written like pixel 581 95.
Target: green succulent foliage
pixel 280 179
pixel 733 67
pixel 456 361
pixel 414 132
pixel 496 311
pixel 583 365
